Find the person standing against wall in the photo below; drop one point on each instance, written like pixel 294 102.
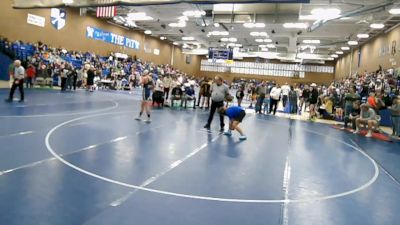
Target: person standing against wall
pixel 219 92
pixel 18 76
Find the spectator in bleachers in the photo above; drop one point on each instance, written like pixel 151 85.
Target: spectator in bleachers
pixel 189 95
pixel 176 94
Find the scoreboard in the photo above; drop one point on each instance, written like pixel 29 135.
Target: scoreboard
pixel 220 53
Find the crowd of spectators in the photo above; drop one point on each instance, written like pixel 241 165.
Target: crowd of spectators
pixel 349 99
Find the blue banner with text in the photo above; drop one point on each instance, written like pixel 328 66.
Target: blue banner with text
pixel 98 34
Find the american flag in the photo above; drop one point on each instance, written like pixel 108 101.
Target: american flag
pixel 108 11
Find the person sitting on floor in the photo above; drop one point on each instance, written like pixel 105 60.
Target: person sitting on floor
pixel 176 94
pixel 368 119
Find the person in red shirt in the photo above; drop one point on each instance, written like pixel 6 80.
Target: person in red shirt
pixel 30 75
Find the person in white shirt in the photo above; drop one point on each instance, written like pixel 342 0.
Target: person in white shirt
pixel 285 93
pixel 275 96
pixel 18 75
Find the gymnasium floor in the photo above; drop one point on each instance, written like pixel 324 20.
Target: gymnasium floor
pixel 81 159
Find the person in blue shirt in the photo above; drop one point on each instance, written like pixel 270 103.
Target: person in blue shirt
pixel 189 94
pixel 236 115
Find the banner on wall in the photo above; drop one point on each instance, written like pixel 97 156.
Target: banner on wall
pixel 35 20
pixel 58 18
pixel 101 35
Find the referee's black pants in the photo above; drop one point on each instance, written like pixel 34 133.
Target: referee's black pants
pixel 214 106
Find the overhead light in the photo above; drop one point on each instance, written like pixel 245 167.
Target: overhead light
pixel 311 41
pixel 334 56
pixel 295 25
pixel 218 33
pixel 325 14
pixel 363 36
pixel 352 42
pixel 68 1
pixel 196 13
pixel 256 34
pixel 175 43
pixel 345 18
pixel 229 39
pixel 264 49
pixel 216 24
pixel 188 38
pixel 183 18
pixel 395 11
pixel 267 40
pixel 339 52
pixel 140 16
pixel 262 46
pixel 345 48
pixel 254 25
pixel 181 23
pixel 330 59
pixel 234 45
pixel 147 31
pixel 163 38
pixel 377 25
pixel 130 23
pixel 271 46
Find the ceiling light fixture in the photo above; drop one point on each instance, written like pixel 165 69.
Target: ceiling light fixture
pixel 175 43
pixel 216 24
pixel 339 52
pixel 181 23
pixel 147 31
pixel 352 42
pixel 218 33
pixel 271 46
pixel 395 11
pixel 363 36
pixel 345 48
pixel 295 25
pixel 256 34
pixel 254 25
pixel 325 14
pixel 334 56
pixel 163 38
pixel 188 38
pixel 140 16
pixel 311 41
pixel 195 14
pixel 377 25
